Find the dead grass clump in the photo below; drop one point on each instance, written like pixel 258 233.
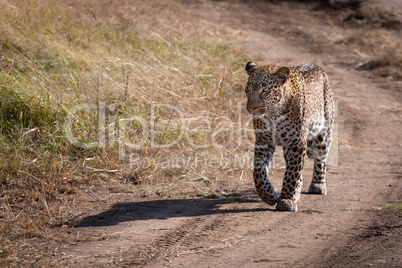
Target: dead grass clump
pixel 373 15
pixel 379 51
pixel 375 36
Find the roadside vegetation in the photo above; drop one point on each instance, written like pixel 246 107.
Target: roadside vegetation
pixel 75 90
pixel 375 37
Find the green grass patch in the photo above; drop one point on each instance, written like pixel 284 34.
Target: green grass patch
pixel 394 205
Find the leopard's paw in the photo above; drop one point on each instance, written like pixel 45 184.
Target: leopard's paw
pixel 268 196
pixel 317 188
pixel 286 205
pixel 270 199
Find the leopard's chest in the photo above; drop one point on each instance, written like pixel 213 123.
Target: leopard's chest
pixel 283 130
pixel 276 130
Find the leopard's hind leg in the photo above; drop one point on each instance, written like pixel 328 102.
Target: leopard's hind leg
pixel 319 151
pixel 322 142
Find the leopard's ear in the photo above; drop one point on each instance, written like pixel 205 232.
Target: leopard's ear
pixel 250 67
pixel 282 74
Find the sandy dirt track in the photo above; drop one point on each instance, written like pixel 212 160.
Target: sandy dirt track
pixel 337 230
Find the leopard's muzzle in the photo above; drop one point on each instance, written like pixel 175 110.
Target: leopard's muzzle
pixel 259 110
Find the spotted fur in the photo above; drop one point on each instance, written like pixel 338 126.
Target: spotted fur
pixel 292 107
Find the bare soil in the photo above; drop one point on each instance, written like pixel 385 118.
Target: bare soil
pixel 337 230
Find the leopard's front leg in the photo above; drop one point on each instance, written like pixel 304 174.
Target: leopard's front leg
pixel 263 155
pixel 292 181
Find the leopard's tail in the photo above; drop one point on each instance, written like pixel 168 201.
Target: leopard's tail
pixel 329 105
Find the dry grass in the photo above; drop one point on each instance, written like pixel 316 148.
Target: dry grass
pixel 55 59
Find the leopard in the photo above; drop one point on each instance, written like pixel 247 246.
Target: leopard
pixel 291 107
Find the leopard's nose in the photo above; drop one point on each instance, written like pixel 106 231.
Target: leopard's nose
pixel 251 108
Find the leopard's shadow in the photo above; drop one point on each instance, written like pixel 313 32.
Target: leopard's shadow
pixel 171 208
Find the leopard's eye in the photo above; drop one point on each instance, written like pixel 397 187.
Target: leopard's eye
pixel 266 89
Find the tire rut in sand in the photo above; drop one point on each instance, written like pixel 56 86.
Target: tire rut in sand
pixel 190 237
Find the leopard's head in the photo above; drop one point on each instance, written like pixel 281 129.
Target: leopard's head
pixel 265 89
